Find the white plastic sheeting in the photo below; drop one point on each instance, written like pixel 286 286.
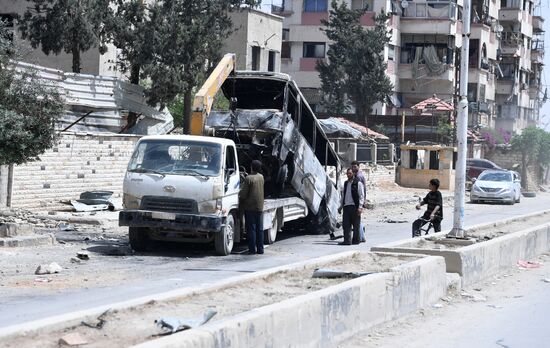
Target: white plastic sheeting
pixel 107 99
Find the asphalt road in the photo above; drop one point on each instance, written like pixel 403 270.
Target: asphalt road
pixel 169 268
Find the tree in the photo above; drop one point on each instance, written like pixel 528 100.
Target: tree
pixel 72 26
pixel 28 110
pixel 187 42
pixel 355 69
pixel 529 143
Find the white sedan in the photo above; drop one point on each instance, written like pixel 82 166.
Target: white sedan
pixel 496 186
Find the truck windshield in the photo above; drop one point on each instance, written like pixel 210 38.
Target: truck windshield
pixel 180 157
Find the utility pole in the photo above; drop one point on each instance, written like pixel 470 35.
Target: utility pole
pixel 462 128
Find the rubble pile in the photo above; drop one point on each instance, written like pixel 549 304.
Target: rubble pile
pixel 21 216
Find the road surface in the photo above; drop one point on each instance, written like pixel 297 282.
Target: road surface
pixel 107 279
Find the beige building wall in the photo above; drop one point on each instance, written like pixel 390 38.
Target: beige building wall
pixel 253 28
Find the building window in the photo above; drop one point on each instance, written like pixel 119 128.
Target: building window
pixel 366 5
pixel 255 58
pixel 286 34
pixel 271 61
pixel 315 5
pixel 314 50
pixel 285 50
pixel 391 52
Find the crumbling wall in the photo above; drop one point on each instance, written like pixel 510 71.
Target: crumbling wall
pixel 80 162
pixel 379 173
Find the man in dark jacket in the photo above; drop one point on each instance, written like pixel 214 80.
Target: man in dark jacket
pixel 434 212
pixel 251 200
pixel 353 199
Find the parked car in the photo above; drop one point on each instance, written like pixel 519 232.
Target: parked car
pixel 475 166
pixel 496 186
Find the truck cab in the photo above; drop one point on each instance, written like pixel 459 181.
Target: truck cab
pixel 182 188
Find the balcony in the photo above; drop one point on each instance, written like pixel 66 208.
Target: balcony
pixel 534 90
pixel 537 57
pixel 309 64
pixel 405 73
pixel 510 15
pixel 538 24
pixel 284 11
pixel 505 87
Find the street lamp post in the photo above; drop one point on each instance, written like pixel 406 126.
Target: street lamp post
pixel 462 129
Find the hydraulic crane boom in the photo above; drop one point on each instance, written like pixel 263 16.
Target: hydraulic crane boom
pixel 205 96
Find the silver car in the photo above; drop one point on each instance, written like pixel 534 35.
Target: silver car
pixel 496 186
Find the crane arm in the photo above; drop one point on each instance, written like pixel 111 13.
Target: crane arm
pixel 204 98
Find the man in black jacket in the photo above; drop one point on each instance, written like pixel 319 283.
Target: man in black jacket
pixel 353 199
pixel 434 212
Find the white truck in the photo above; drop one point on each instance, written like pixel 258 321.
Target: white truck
pixel 185 187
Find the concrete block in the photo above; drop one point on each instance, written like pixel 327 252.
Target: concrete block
pixel 28 241
pixel 12 230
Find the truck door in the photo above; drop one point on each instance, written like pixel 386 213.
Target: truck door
pixel 231 179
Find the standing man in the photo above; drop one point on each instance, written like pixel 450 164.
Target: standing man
pixel 251 200
pixel 352 203
pixel 361 178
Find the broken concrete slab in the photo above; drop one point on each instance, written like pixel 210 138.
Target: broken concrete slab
pixel 28 241
pixel 72 339
pixel 13 229
pixel 48 268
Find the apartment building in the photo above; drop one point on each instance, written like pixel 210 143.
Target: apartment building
pixel 424 54
pixel 515 107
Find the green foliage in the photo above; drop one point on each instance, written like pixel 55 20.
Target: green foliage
pixel 355 69
pixel 534 145
pixel 71 26
pixel 445 130
pixel 380 128
pixel 28 110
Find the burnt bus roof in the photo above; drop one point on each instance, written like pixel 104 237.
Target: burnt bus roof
pixel 261 91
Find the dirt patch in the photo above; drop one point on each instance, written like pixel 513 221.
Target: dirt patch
pixel 137 324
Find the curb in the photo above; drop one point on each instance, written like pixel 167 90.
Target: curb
pixel 478 261
pixel 325 317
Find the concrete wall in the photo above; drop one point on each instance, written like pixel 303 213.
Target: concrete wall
pixel 79 162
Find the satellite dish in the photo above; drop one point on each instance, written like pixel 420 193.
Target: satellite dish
pixel 404 4
pixel 500 28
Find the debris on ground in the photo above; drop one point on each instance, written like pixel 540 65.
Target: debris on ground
pixel 437 305
pixel 330 273
pixel 66 227
pixel 528 264
pixel 72 339
pixel 93 201
pixel 546 280
pixel 100 321
pixel 494 306
pixel 48 269
pixel 473 297
pixel 83 256
pixel 177 324
pixel 393 221
pixel 43 280
pixel 75 260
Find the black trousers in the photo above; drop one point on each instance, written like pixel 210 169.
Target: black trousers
pixel 351 220
pixel 418 223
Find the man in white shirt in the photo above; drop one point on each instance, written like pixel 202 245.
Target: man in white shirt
pixel 353 199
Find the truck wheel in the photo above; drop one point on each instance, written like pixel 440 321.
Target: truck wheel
pixel 271 233
pixel 139 238
pixel 223 242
